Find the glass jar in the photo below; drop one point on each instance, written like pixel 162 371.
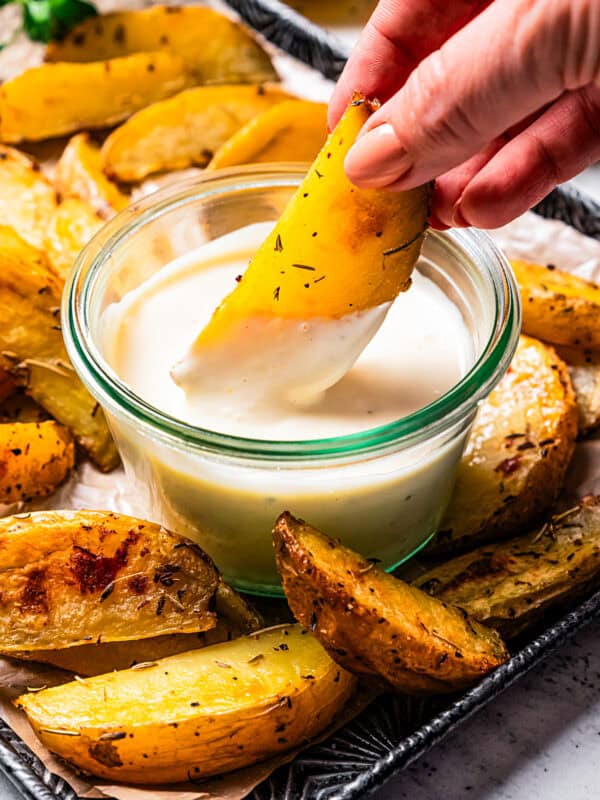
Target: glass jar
pixel 381 491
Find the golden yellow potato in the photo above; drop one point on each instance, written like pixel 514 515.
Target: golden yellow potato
pixel 214 48
pixel 79 174
pixel 512 585
pixel 196 714
pixel 291 131
pixel 516 458
pixel 558 307
pixel 77 577
pixel 35 458
pixel 56 99
pixel 376 625
pixel 184 130
pixel 70 228
pixel 32 348
pixel 27 198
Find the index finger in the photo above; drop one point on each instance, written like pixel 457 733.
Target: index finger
pixel 398 36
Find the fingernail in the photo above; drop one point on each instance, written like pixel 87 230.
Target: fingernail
pixel 377 158
pixel 458 220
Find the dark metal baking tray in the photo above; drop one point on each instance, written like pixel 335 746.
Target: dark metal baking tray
pixel 393 731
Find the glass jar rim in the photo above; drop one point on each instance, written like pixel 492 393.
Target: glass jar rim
pixel 119 399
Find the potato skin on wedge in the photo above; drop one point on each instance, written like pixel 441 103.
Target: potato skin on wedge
pixel 558 307
pixel 75 577
pixel 35 458
pixel 376 625
pixel 32 349
pixel 511 585
pixel 56 99
pixel 516 458
pixel 215 49
pixel 196 714
pixel 184 130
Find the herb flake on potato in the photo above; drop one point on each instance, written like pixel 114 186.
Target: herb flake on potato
pixel 376 625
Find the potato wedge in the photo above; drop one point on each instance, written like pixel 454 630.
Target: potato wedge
pixel 512 585
pixel 184 130
pixel 56 99
pixel 291 131
pixel 516 458
pixel 7 385
pixel 35 458
pixel 33 351
pixel 196 714
pixel 214 48
pixel 235 618
pixel 376 625
pixel 19 407
pixel 558 307
pixel 72 225
pixel 79 174
pixel 584 369
pixel 73 577
pixel 27 198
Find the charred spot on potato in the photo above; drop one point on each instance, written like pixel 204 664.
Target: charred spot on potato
pixel 105 753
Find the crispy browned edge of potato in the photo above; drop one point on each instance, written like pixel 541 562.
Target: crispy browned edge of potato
pixel 512 585
pixel 544 482
pixel 376 625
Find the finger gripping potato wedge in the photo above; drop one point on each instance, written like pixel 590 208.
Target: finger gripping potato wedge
pixel 558 307
pixel 512 585
pixel 35 458
pixel 56 99
pixel 375 625
pixel 215 49
pixel 33 351
pixel 79 174
pixel 195 714
pixel 27 198
pixel 75 577
pixel 184 130
pixel 516 458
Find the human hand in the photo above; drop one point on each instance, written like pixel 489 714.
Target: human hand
pixel 498 101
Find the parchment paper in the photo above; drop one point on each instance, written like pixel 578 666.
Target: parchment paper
pixel 528 237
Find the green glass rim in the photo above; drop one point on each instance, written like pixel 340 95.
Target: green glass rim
pixel 119 400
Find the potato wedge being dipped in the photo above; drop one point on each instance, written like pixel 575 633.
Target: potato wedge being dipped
pixel 56 99
pixel 291 131
pixel 214 48
pixel 35 458
pixel 517 455
pixel 196 714
pixel 558 307
pixel 79 174
pixel 73 577
pixel 511 585
pixel 184 130
pixel 32 348
pixel 376 625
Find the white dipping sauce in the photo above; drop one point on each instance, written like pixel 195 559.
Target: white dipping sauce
pixel 420 351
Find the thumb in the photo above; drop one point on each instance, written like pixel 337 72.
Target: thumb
pixel 494 72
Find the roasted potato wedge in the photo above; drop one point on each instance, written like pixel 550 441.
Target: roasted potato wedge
pixel 214 48
pixel 73 577
pixel 516 458
pixel 558 307
pixel 584 369
pixel 35 458
pixel 234 618
pixel 512 585
pixel 7 385
pixel 56 99
pixel 291 131
pixel 184 130
pixel 376 625
pixel 72 225
pixel 79 174
pixel 27 198
pixel 196 714
pixel 19 407
pixel 33 351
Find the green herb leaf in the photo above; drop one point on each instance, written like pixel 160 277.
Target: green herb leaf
pixel 44 20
